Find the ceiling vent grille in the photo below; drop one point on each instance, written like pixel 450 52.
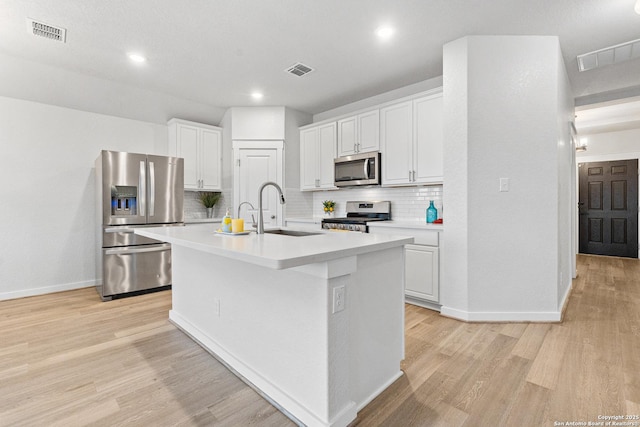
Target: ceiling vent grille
pixel 47 31
pixel 609 55
pixel 299 69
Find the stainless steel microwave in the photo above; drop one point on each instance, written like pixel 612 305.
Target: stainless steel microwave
pixel 357 169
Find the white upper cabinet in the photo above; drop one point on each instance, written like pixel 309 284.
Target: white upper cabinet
pixel 359 134
pixel 396 140
pixel 428 128
pixel 411 141
pixel 201 147
pixel 317 151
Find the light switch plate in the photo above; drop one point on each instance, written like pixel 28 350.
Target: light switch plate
pixel 504 185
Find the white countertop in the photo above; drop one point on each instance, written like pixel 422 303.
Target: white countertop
pixel 273 250
pixel 418 225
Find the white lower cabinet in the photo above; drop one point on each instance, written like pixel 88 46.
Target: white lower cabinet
pixel 422 279
pixel 422 264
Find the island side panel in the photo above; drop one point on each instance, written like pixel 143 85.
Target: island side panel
pixel 274 327
pixel 376 306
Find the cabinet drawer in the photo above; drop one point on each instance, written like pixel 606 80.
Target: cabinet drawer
pixel 421 237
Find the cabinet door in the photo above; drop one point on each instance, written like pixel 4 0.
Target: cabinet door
pixel 396 144
pixel 327 153
pixel 188 149
pixel 210 159
pixel 309 159
pixel 429 140
pixel 368 133
pixel 422 272
pixel 347 136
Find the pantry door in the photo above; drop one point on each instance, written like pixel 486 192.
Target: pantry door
pixel 608 207
pixel 257 162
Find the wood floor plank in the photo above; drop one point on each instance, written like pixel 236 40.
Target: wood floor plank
pixel 71 359
pixel 531 340
pixel 549 360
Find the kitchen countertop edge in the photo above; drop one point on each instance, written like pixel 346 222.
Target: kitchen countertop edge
pixel 275 251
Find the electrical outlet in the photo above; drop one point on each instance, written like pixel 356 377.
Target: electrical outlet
pixel 338 299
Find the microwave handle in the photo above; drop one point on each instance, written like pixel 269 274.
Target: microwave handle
pixel 366 168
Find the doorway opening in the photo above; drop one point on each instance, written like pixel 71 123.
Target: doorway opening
pixel 608 208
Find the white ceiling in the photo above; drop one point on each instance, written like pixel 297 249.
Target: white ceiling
pixel 207 55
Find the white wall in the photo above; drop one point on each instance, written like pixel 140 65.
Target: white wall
pixel 501 108
pixel 619 145
pixel 47 188
pixel 567 207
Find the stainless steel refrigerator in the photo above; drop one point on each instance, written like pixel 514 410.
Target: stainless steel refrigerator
pixel 135 190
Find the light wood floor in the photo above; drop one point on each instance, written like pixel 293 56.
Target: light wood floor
pixel 69 359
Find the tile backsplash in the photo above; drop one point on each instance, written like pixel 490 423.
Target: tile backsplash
pixel 193 209
pixel 407 203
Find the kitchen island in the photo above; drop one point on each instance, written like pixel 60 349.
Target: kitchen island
pixel 315 323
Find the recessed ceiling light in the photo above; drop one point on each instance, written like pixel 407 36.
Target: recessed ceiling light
pixel 257 95
pixel 385 32
pixel 136 57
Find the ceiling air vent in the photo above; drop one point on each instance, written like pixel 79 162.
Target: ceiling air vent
pixel 609 55
pixel 299 69
pixel 47 31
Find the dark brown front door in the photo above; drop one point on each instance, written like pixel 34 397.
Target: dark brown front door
pixel 609 208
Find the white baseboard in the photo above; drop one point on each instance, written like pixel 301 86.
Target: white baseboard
pixel 489 316
pixel 45 290
pixel 420 303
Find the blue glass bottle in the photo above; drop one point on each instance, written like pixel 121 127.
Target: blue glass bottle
pixel 432 213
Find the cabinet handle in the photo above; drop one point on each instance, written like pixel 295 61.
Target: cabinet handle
pixel 317 182
pixel 409 175
pixel 414 176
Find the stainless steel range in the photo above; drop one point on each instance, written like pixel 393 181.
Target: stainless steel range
pixel 358 215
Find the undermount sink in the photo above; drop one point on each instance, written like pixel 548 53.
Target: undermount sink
pixel 295 233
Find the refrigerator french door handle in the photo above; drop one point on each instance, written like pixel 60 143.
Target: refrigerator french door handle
pixel 152 189
pixel 129 251
pixel 142 192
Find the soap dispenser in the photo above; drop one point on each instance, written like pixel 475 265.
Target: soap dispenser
pixel 432 213
pixel 226 222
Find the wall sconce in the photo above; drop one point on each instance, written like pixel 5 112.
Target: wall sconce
pixel 582 143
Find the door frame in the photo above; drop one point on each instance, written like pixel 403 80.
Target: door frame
pixel 277 145
pixel 605 158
